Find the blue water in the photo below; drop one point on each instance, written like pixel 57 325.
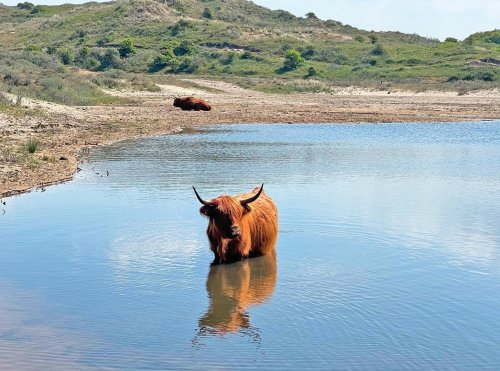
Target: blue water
pixel 388 254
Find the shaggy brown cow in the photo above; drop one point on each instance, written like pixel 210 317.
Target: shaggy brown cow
pixel 232 289
pixel 192 104
pixel 241 226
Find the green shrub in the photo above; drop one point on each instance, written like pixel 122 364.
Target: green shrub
pixel 293 59
pixel 308 53
pixel 26 5
pixel 207 13
pixel 37 9
pixel 51 50
pixel 126 48
pixel 184 48
pixel 246 55
pixel 180 26
pixel 167 59
pixel 480 74
pixel 32 145
pixel 494 39
pixel 283 15
pixel 109 59
pixel 227 58
pixel 103 41
pixel 311 71
pixel 378 50
pixel 66 56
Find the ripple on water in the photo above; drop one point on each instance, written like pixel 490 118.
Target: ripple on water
pixel 388 254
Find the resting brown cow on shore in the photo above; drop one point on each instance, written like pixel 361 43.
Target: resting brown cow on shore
pixel 192 104
pixel 240 226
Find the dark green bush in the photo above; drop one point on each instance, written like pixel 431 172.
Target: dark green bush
pixel 184 48
pixel 207 13
pixel 378 50
pixel 308 53
pixel 126 48
pixel 26 5
pixel 66 56
pixel 109 59
pixel 311 71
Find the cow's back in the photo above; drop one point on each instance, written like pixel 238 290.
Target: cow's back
pixel 263 223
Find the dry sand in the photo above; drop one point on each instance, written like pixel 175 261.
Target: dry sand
pixel 64 131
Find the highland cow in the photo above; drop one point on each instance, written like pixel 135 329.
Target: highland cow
pixel 240 226
pixel 192 104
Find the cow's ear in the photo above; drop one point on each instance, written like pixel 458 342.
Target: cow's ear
pixel 206 210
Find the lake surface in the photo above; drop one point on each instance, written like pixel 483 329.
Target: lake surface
pixel 388 254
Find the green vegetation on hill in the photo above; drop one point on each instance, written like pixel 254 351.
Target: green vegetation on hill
pixel 64 53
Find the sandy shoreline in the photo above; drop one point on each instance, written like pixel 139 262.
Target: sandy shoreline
pixel 62 132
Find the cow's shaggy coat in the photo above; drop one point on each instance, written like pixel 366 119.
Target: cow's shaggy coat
pixel 237 229
pixel 192 104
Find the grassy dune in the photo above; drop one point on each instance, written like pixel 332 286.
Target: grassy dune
pixel 67 53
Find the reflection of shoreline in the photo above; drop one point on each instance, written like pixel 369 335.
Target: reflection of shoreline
pixel 232 289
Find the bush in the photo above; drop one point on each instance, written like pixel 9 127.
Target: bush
pixel 207 13
pixel 109 59
pixel 190 65
pixel 246 55
pixel 379 50
pixel 311 72
pixel 66 56
pixel 51 50
pixel 32 145
pixel 26 6
pixel 36 9
pixel 311 15
pixel 180 26
pixel 104 40
pixel 493 39
pixel 293 59
pixel 167 59
pixel 183 48
pixel 484 75
pixel 228 58
pixel 308 53
pixel 126 48
pixel 450 40
pixel 283 15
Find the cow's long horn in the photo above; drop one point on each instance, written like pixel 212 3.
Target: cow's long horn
pixel 206 203
pixel 253 198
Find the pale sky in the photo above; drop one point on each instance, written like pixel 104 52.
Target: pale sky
pixel 432 18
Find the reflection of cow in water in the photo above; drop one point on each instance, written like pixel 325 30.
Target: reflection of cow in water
pixel 232 289
pixel 241 226
pixel 192 104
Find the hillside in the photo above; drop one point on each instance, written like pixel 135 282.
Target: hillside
pixel 65 53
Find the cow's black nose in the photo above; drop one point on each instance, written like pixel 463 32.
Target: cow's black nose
pixel 235 231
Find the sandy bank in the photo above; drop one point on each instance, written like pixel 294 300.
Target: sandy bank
pixel 64 131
